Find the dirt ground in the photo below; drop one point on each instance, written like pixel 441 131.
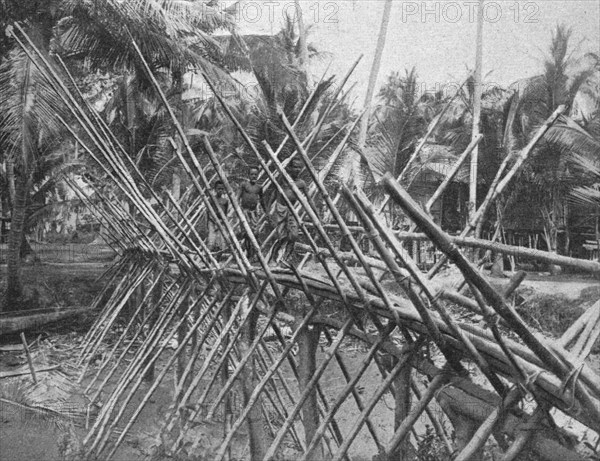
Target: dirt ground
pixel 40 437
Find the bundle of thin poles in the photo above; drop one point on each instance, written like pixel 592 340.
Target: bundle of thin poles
pixel 219 314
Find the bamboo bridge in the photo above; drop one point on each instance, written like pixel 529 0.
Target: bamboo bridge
pixel 167 285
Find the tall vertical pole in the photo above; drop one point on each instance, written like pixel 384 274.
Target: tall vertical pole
pixel 476 111
pixel 364 123
pixel 303 45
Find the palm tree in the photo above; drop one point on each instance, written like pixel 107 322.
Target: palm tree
pixel 385 21
pixel 172 35
pixel 29 130
pixel 277 65
pixel 401 119
pixel 550 175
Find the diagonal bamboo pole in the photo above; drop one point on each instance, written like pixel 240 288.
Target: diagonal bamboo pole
pixel 495 300
pixel 182 400
pixel 500 183
pixel 181 347
pixel 373 401
pixel 402 431
pixel 309 387
pixel 348 389
pixel 139 362
pixel 423 141
pixel 257 391
pixel 121 340
pixel 450 176
pixel 150 351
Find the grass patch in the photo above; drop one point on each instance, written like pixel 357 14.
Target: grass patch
pixel 551 313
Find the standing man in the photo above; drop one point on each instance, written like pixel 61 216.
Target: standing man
pixel 216 241
pixel 251 195
pixel 283 219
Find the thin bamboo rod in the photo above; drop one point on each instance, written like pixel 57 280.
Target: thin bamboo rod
pixel 439 429
pixel 498 185
pixel 257 391
pixel 138 358
pixel 138 373
pixel 365 212
pixel 309 388
pixel 521 252
pixel 348 389
pixel 122 337
pixel 374 400
pixel 241 363
pixel 291 184
pixel 423 141
pixel 524 435
pixel 280 406
pixel 120 267
pixel 485 430
pixel 336 215
pixel 450 176
pixel 208 360
pixel 181 347
pixel 402 431
pixel 496 300
pixel 113 312
pixel 182 400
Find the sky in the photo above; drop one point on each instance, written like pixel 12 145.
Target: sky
pixel 437 37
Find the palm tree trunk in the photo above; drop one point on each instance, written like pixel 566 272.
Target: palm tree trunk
pixel 476 117
pixel 303 45
pixel 14 288
pixel 364 123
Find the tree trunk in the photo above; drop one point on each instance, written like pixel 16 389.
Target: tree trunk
pixel 256 421
pixel 303 45
pixel 402 390
pixel 476 118
pixel 308 342
pixel 14 289
pixel 364 123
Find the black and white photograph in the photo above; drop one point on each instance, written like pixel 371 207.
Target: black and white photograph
pixel 299 230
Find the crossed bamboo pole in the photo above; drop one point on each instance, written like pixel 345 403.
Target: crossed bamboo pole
pixel 445 332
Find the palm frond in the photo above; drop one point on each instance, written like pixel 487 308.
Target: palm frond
pixel 570 138
pixel 29 108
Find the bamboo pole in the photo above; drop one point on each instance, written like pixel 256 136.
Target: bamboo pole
pixel 381 389
pixel 351 388
pixel 485 430
pixel 141 363
pixel 500 183
pixel 401 432
pixel 521 252
pixel 450 176
pixel 309 386
pixel 257 391
pixel 423 141
pixel 181 401
pixel 178 352
pixel 363 208
pixel 121 340
pixel 345 372
pixel 478 90
pixel 439 429
pixel 494 299
pixel 29 361
pixel 147 355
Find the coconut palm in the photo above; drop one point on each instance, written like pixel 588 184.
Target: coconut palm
pixel 550 174
pixel 172 35
pixel 29 128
